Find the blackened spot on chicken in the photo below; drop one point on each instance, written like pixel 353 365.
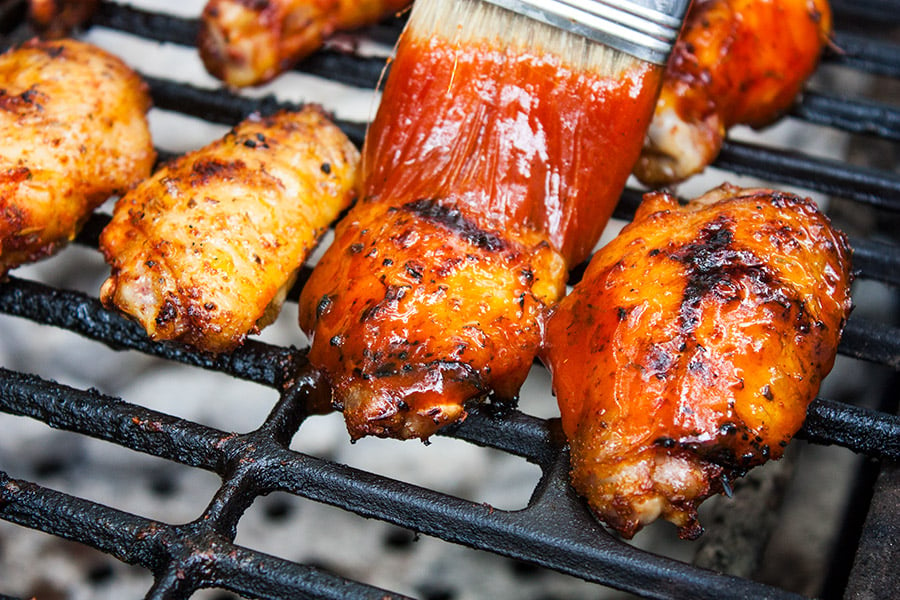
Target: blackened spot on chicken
pixel 53 51
pixel 728 428
pixel 203 170
pixel 716 267
pixel 29 99
pixel 414 269
pixel 386 369
pixel 392 295
pixel 167 312
pixel 659 361
pixel 324 306
pixel 452 218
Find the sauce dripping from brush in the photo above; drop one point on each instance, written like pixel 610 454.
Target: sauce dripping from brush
pixel 511 137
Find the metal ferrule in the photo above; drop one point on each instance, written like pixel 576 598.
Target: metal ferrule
pixel 645 29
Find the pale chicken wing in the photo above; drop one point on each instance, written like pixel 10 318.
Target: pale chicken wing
pixel 692 347
pixel 74 130
pixel 205 250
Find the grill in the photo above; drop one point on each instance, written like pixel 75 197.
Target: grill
pixel 554 530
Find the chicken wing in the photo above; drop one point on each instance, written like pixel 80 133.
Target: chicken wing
pixel 736 62
pixel 249 43
pixel 59 18
pixel 691 348
pixel 486 174
pixel 74 130
pixel 205 250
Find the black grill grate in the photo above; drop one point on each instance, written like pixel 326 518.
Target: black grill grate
pixel 554 530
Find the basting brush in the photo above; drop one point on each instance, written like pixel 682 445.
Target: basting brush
pixel 502 142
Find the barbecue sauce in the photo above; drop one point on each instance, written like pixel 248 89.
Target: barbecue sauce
pixel 487 173
pixel 516 138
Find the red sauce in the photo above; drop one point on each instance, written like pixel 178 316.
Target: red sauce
pixel 510 137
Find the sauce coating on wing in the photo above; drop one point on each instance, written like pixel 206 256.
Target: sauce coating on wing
pixel 485 176
pixel 74 130
pixel 692 347
pixel 736 62
pixel 205 250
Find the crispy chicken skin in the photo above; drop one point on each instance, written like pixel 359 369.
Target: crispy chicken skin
pixel 205 250
pixel 74 130
pixel 736 62
pixel 249 42
pixel 692 347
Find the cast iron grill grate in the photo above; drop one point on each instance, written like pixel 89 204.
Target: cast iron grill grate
pixel 554 530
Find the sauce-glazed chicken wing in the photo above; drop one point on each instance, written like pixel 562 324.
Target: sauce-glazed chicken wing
pixel 205 250
pixel 74 130
pixel 249 43
pixel 486 174
pixel 736 62
pixel 692 347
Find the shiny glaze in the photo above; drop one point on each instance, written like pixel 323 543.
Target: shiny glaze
pixel 736 62
pixel 486 173
pixel 513 140
pixel 692 347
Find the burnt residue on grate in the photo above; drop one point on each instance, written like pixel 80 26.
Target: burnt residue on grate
pixel 554 530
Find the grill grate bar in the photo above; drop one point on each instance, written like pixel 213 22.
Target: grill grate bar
pixel 871 341
pixel 183 558
pixel 864 53
pixel 553 531
pixel 254 361
pixel 879 189
pixel 851 115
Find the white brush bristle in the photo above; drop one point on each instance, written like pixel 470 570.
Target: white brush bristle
pixel 464 22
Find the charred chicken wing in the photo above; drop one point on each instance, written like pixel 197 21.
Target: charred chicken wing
pixel 74 130
pixel 691 348
pixel 205 250
pixel 249 43
pixel 736 62
pixel 486 174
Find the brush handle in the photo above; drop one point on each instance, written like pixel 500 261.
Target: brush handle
pixel 645 29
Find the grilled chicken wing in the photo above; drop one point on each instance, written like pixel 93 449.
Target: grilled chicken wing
pixel 736 62
pixel 58 18
pixel 74 130
pixel 692 347
pixel 486 174
pixel 249 43
pixel 205 250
